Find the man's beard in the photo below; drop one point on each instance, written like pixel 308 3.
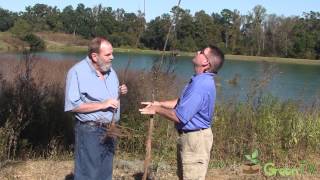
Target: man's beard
pixel 104 67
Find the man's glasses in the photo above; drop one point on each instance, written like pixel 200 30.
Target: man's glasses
pixel 202 52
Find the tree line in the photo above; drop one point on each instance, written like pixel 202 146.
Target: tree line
pixel 255 33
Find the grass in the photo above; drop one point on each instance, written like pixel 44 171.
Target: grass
pixel 61 42
pixel 36 169
pixel 10 43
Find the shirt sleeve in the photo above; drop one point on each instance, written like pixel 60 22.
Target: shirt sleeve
pixel 72 95
pixel 188 106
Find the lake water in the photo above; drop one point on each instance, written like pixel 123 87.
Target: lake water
pixel 235 80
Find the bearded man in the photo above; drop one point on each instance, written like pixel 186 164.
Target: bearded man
pixel 92 89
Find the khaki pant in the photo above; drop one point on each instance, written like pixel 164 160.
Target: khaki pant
pixel 193 154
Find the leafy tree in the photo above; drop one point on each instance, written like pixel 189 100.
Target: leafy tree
pixel 247 41
pixel 235 33
pixel 84 21
pixel 206 31
pixel 53 20
pixel 271 27
pixel 21 28
pixel 226 20
pixel 155 34
pixel 305 36
pixel 259 14
pixel 284 38
pixel 6 19
pixel 105 22
pixel 185 30
pixel 68 17
pixel 130 26
pixel 141 23
pixel 37 16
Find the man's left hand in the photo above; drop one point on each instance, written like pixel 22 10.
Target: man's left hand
pixel 123 89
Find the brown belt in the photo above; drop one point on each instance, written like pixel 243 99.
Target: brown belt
pixel 180 131
pixel 96 123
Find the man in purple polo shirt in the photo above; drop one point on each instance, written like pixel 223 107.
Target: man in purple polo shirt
pixel 192 114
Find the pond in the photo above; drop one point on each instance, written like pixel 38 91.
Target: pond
pixel 236 79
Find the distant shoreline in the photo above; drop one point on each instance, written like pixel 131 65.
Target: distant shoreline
pixel 190 54
pixel 57 47
pixel 77 49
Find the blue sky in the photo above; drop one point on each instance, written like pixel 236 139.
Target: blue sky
pixel 158 7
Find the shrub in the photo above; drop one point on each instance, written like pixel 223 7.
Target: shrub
pixel 21 28
pixel 35 43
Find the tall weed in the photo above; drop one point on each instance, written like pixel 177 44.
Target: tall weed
pixel 32 121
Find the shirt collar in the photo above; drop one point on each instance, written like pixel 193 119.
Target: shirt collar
pixel 203 75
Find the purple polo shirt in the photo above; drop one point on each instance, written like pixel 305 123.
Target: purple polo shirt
pixel 195 106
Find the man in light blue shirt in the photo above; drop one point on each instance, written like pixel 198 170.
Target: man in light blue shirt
pixel 192 114
pixel 92 90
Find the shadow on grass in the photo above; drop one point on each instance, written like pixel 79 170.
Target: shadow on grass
pixel 69 177
pixel 139 175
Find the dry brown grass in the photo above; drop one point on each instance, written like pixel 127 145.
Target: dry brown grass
pixel 63 38
pixel 42 169
pixel 10 43
pixel 44 70
pixel 53 170
pixel 55 41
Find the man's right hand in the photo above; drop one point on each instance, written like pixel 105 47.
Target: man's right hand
pixel 113 103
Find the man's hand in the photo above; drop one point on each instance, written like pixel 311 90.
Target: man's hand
pixel 160 109
pixel 97 106
pixel 113 103
pixel 154 103
pixel 123 89
pixel 150 107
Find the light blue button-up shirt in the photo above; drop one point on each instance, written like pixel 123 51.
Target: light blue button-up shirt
pixel 195 106
pixel 83 85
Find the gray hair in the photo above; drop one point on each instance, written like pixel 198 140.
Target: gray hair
pixel 216 59
pixel 95 44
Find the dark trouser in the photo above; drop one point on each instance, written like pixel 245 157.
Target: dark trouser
pixel 93 157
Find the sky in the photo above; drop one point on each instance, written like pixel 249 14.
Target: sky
pixel 154 8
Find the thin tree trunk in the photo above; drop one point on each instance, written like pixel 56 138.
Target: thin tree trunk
pixel 148 149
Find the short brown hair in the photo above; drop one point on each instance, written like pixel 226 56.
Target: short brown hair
pixel 216 59
pixel 95 44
